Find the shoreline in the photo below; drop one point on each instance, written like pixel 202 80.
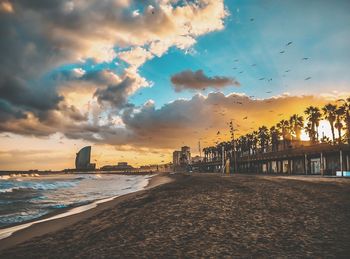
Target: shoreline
pixel 63 218
pixel 205 216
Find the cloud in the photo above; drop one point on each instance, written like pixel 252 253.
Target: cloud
pixel 198 80
pixel 39 37
pixel 188 121
pixel 170 126
pixel 116 94
pixel 6 7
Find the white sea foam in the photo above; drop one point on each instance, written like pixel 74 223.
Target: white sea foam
pixel 8 189
pixel 15 176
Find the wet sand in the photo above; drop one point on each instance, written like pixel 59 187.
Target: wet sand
pixel 203 216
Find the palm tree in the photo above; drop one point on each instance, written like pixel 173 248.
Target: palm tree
pixel 275 136
pixel 314 116
pixel 329 112
pixel 250 141
pixel 296 124
pixel 310 131
pixel 340 112
pixel 263 133
pixel 255 142
pixel 283 126
pixel 346 106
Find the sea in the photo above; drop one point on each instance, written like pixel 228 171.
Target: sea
pixel 25 198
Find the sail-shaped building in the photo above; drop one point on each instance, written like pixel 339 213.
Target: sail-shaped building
pixel 82 160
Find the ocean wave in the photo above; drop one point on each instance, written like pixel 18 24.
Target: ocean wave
pixel 9 189
pixel 7 177
pixel 58 206
pixel 42 186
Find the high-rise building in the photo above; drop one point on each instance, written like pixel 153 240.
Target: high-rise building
pixel 185 155
pixel 176 157
pixel 82 160
pixel 182 157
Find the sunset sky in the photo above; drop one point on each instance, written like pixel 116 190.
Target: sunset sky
pixel 137 79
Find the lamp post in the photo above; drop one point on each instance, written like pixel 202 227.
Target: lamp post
pixel 232 131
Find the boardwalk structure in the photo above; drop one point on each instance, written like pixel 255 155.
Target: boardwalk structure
pixel 323 159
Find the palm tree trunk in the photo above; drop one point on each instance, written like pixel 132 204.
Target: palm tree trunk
pixel 333 135
pixel 339 135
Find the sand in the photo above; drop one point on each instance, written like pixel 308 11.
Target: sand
pixel 203 216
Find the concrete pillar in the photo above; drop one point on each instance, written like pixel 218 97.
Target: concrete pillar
pixel 341 161
pixel 347 163
pixel 223 160
pixel 280 169
pixel 321 164
pixel 289 166
pixel 305 164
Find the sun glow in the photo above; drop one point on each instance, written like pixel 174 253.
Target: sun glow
pixel 324 130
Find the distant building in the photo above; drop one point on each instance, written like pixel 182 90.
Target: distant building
pixel 182 157
pixel 176 157
pixel 150 167
pixel 121 166
pixel 185 158
pixel 82 160
pixel 197 159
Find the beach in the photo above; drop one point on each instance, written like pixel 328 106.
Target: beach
pixel 202 215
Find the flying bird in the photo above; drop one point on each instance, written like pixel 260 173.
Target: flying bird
pixel 281 52
pixel 253 65
pixel 218 133
pixel 305 58
pixel 308 78
pixel 241 72
pixel 268 92
pixel 287 71
pixel 245 118
pixel 236 60
pixel 289 43
pixel 252 19
pixel 262 78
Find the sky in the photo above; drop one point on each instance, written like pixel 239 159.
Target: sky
pixel 138 79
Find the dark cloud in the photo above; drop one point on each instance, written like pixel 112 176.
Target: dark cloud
pixel 25 56
pixel 73 113
pixel 197 80
pixel 8 112
pixel 116 95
